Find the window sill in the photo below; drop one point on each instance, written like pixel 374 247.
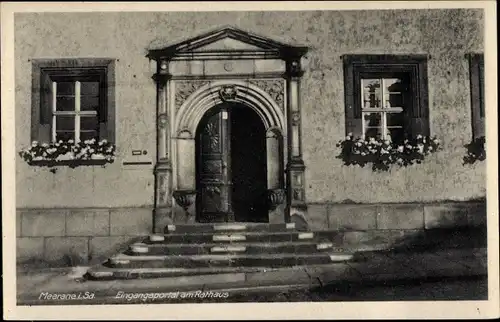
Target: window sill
pixel 69 163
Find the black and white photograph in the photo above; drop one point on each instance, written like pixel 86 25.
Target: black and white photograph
pixel 194 155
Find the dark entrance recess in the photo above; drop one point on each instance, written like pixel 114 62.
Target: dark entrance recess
pixel 231 175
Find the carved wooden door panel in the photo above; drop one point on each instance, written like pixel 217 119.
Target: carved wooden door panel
pixel 214 186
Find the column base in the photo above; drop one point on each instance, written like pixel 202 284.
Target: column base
pixel 298 215
pixel 162 217
pixel 277 216
pixel 276 200
pixel 185 210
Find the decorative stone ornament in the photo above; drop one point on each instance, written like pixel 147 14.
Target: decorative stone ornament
pixel 275 197
pixel 184 198
pixel 274 87
pixel 184 88
pixel 294 68
pixel 295 118
pixel 162 121
pixel 228 66
pixel 228 93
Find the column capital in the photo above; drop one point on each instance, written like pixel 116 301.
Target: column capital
pixel 296 164
pixel 293 68
pixel 163 165
pixel 161 79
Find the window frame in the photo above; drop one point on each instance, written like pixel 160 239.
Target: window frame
pixel 414 66
pixel 476 78
pixel 41 111
pixel 382 110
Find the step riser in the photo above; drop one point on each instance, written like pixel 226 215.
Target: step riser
pixel 249 249
pixel 212 238
pixel 247 262
pixel 233 227
pixel 132 275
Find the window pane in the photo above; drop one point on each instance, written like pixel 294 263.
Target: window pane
pixel 65 88
pixel 394 85
pixel 65 136
pixel 90 88
pixel 396 134
pixel 89 103
pixel 65 123
pixel 87 135
pixel 373 132
pixel 89 123
pixel 372 119
pixel 65 103
pixel 371 93
pixel 395 119
pixel 394 100
pixel 394 89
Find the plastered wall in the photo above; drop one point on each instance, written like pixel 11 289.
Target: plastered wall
pixel 446 35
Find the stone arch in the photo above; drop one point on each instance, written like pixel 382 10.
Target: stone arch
pixel 198 103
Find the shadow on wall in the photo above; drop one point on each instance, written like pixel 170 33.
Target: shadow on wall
pixel 447 232
pixel 440 238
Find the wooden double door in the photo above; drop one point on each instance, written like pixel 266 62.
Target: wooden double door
pixel 231 175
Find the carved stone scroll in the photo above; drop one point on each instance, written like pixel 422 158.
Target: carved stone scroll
pixel 184 88
pixel 274 87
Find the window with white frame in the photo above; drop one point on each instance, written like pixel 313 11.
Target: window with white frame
pixel 383 101
pixel 74 100
pixel 386 96
pixel 75 108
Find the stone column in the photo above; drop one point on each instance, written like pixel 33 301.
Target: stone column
pixel 163 167
pixel 185 193
pixel 296 202
pixel 275 193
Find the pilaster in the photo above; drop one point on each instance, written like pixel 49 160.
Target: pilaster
pixel 296 205
pixel 163 167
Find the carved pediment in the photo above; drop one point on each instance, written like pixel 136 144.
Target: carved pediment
pixel 228 44
pixel 227 41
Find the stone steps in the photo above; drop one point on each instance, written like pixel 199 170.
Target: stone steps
pixel 220 247
pixel 233 237
pixel 207 273
pixel 193 261
pixel 229 248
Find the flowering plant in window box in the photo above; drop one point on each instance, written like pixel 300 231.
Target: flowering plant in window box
pixel 70 153
pixel 476 150
pixel 384 153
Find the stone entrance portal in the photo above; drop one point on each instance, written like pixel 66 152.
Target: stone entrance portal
pixel 231 177
pixel 228 73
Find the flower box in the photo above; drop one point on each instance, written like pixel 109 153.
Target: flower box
pixel 86 153
pixel 476 151
pixel 70 163
pixel 381 154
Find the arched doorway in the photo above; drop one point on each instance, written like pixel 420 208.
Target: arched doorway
pixel 231 173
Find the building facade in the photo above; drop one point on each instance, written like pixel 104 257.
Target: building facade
pixel 236 116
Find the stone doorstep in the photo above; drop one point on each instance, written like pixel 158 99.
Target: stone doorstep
pixel 245 236
pixel 202 257
pixel 241 247
pixel 229 227
pixel 107 273
pixel 225 260
pixel 400 269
